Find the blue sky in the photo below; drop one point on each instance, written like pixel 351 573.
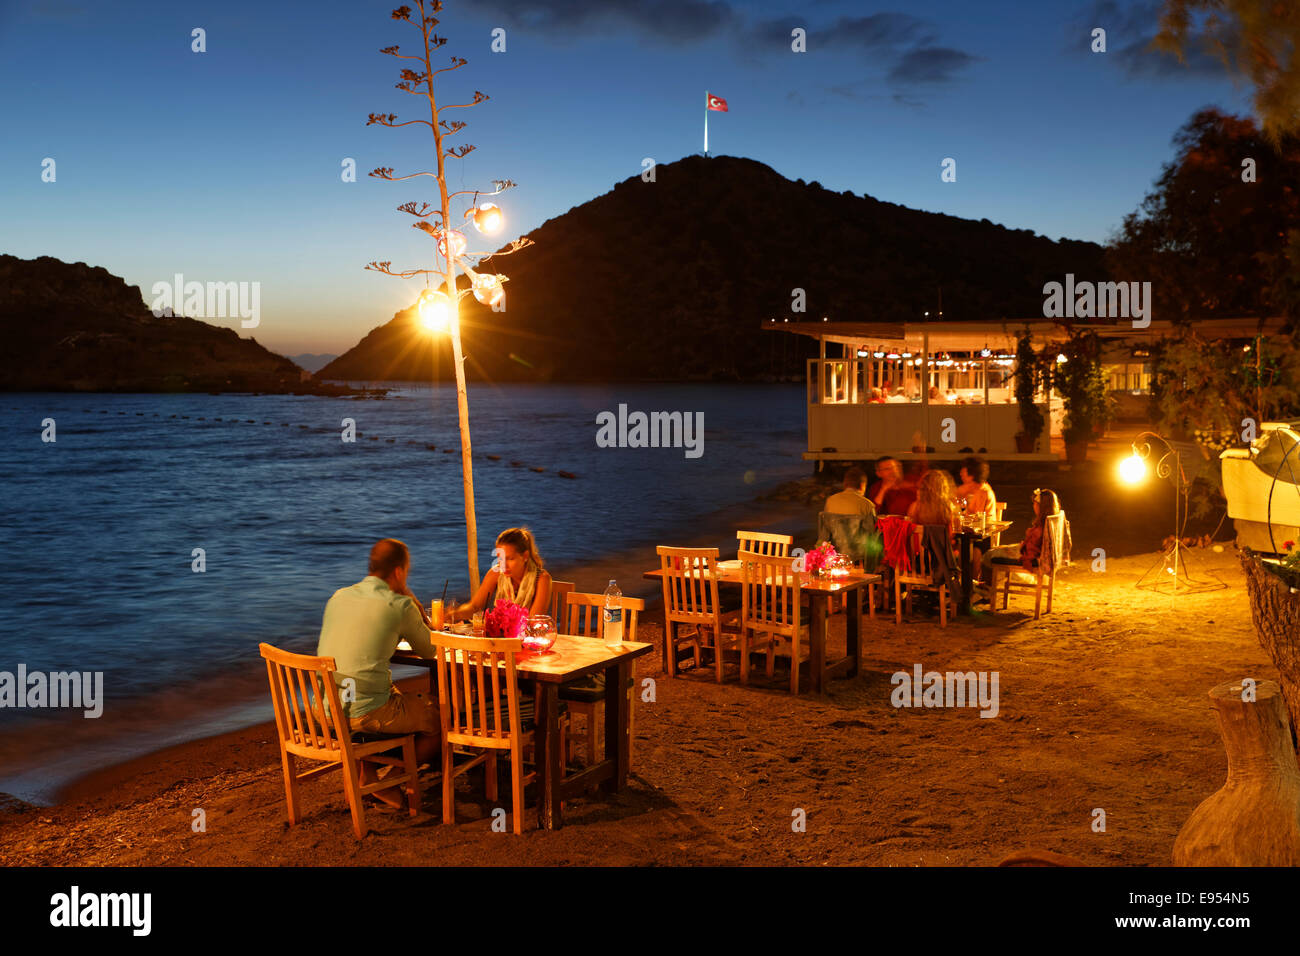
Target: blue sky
pixel 225 165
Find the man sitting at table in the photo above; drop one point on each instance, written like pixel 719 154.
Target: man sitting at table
pixel 361 628
pixel 852 500
pixel 975 488
pixel 893 494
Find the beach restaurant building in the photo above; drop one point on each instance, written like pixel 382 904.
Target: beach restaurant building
pixel 896 389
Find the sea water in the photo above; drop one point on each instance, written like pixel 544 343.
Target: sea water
pixel 159 538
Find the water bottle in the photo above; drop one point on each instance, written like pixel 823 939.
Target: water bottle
pixel 613 615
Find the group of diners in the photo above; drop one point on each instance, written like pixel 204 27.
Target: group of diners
pixel 930 496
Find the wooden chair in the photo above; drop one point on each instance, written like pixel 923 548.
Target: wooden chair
pixel 765 543
pixel 311 725
pixel 585 618
pixel 770 605
pixel 471 682
pixel 559 590
pixel 924 576
pixel 1016 580
pixel 690 582
pixel 996 540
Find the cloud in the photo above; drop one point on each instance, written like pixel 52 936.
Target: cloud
pixel 930 64
pixel 905 46
pixel 676 20
pixel 1130 29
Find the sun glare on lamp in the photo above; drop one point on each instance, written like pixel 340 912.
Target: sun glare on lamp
pixel 435 310
pixel 488 288
pixel 458 244
pixel 488 219
pixel 1133 470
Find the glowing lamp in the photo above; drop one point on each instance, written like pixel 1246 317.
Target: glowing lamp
pixel 435 310
pixel 488 289
pixel 488 219
pixel 458 244
pixel 1133 469
pixel 1060 358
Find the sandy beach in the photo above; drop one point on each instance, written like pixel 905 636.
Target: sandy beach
pixel 1103 706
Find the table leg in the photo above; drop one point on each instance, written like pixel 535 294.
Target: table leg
pixel 550 770
pixel 819 606
pixel 852 631
pixel 964 606
pixel 618 743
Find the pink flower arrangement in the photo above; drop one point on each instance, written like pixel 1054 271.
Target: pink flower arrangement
pixel 819 558
pixel 505 619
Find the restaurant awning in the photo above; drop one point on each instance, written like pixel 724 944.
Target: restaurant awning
pixel 999 335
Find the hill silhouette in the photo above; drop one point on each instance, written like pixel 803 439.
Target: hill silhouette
pixel 74 327
pixel 670 280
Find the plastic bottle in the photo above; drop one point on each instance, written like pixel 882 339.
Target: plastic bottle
pixel 613 617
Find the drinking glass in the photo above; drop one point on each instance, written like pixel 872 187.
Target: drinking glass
pixel 477 623
pixel 436 614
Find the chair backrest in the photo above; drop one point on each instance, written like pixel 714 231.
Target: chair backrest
pixel 585 615
pixel 305 698
pixel 1053 539
pixel 1001 509
pixel 770 591
pixel 763 542
pixel 474 674
pixel 853 535
pixel 927 567
pixel 690 579
pixel 559 591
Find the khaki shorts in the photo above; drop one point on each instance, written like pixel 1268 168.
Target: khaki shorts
pixel 400 714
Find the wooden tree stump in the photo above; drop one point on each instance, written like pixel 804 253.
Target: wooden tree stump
pixel 1254 820
pixel 1276 611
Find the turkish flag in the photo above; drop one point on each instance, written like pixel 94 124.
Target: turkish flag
pixel 717 103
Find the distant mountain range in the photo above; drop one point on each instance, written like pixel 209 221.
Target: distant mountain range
pixel 671 279
pixel 74 327
pixel 311 361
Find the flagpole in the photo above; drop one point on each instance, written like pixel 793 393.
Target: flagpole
pixel 706 122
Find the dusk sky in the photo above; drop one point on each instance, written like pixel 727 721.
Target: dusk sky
pixel 225 165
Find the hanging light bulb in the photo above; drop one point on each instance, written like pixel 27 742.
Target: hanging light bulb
pixel 488 288
pixel 458 244
pixel 435 310
pixel 488 219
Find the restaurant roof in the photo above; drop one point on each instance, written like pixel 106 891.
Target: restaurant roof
pixel 1000 334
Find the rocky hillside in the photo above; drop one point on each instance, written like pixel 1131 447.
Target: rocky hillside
pixel 670 280
pixel 74 327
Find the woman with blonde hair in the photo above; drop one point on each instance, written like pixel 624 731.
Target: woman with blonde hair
pixel 934 504
pixel 518 575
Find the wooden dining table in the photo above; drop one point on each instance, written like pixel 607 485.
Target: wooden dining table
pixel 569 659
pixel 819 591
pixel 968 538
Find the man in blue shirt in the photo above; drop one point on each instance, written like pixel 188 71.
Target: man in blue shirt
pixel 361 628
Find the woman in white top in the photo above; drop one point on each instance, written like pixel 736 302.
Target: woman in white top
pixel 517 576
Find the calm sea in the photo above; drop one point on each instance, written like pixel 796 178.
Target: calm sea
pixel 101 527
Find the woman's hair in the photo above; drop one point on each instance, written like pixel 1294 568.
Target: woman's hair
pixel 521 539
pixel 934 499
pixel 1048 505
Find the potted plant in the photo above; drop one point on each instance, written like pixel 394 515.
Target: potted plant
pixel 1028 375
pixel 1082 384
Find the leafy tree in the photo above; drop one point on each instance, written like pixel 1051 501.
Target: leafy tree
pixel 1257 39
pixel 1211 242
pixel 1082 383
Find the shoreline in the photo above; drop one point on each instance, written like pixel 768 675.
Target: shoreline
pixel 129 751
pixel 1089 690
